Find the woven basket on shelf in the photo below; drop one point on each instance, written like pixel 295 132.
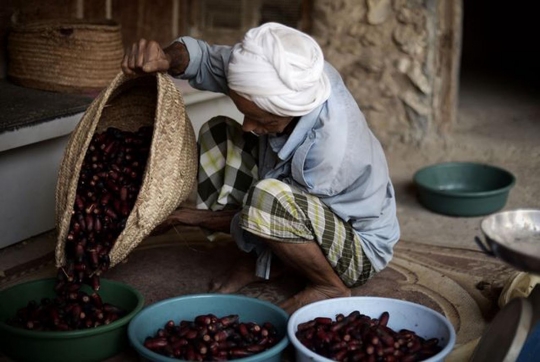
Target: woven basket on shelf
pixel 71 56
pixel 171 168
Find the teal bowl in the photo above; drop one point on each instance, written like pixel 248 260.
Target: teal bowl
pixel 463 188
pixel 147 322
pixel 95 344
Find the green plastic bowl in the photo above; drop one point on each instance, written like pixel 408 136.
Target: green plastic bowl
pixel 463 188
pixel 187 307
pixel 94 344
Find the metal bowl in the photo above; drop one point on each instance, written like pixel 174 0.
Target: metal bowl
pixel 513 236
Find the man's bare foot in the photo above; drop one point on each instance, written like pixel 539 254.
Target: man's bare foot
pixel 242 273
pixel 310 294
pixel 239 275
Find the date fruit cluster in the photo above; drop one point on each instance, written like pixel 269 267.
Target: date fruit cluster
pixel 109 181
pixel 209 338
pixel 78 310
pixel 357 337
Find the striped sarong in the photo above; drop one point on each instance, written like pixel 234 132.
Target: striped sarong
pixel 272 209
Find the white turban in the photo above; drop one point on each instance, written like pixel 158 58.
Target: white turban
pixel 280 69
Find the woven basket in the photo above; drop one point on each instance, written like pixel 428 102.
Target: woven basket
pixel 171 169
pixel 71 56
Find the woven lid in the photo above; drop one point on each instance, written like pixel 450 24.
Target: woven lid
pixel 129 103
pixel 69 55
pixel 39 26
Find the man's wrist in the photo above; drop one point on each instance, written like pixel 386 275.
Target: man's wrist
pixel 178 58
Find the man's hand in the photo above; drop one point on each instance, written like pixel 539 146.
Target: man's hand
pixel 211 220
pixel 147 56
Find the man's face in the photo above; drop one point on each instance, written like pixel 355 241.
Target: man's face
pixel 257 120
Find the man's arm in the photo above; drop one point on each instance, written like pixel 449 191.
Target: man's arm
pixel 179 58
pixel 207 68
pixel 218 221
pixel 204 65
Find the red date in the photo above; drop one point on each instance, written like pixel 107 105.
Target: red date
pixel 79 311
pixel 108 186
pixel 106 192
pixel 209 338
pixel 357 337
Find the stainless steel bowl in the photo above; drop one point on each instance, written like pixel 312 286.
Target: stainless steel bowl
pixel 513 236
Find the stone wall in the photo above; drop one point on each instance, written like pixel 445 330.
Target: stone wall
pixel 399 58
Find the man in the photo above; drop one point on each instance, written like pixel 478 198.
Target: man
pixel 302 178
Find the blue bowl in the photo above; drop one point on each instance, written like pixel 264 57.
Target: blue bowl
pixel 147 322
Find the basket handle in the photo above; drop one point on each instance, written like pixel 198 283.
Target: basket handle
pixel 484 248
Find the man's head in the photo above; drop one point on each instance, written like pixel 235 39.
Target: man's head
pixel 280 70
pixel 257 120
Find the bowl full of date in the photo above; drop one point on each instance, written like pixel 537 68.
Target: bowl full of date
pixel 369 329
pixel 36 324
pixel 210 327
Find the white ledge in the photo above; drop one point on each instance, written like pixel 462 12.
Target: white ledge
pixel 38 132
pixel 64 125
pixel 200 96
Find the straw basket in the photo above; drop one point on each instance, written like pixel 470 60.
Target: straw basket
pixel 71 56
pixel 171 167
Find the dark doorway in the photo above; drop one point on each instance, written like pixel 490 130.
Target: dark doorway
pixel 500 41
